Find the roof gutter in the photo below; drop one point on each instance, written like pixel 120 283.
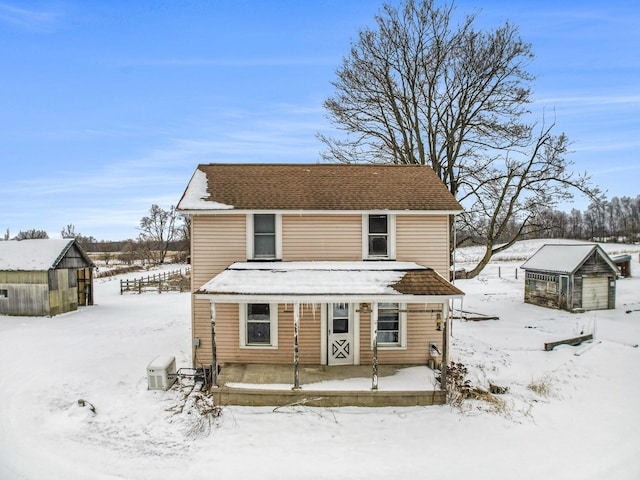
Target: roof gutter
pixel 323 298
pixel 231 211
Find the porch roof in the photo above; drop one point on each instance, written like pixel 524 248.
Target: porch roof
pixel 315 281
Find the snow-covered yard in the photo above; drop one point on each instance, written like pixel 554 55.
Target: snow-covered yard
pixel 569 413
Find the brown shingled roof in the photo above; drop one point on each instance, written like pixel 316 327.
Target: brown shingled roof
pixel 425 282
pixel 327 187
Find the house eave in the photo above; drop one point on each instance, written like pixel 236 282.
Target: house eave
pixel 232 211
pixel 323 298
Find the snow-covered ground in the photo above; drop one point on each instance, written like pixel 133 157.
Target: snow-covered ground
pixel 566 416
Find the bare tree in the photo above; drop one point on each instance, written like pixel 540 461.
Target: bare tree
pixel 184 236
pixel 517 190
pixel 576 224
pixel 70 232
pixel 128 252
pixel 423 89
pixel 31 234
pixel 158 230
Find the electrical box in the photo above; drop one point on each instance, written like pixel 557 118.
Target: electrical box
pixel 161 373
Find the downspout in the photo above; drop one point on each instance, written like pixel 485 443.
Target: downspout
pixel 296 356
pixel 374 334
pixel 453 255
pixel 445 352
pixel 214 357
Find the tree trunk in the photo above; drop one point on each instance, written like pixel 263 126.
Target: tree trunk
pixel 486 258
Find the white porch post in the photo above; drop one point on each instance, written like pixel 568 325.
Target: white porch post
pixel 214 359
pixel 374 334
pixel 296 369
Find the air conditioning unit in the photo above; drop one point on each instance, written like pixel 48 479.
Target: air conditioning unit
pixel 161 373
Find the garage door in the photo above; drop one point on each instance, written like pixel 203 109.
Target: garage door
pixel 595 293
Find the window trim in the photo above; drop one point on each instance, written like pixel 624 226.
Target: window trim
pixel 250 236
pixel 391 237
pixel 273 318
pixel 402 328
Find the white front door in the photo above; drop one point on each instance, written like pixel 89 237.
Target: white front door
pixel 340 334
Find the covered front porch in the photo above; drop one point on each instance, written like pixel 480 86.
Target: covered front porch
pixel 328 333
pixel 327 386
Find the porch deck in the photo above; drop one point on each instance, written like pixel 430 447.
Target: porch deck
pixel 327 386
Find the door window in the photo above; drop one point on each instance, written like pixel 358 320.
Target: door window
pixel 340 318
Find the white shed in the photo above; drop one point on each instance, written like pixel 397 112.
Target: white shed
pixel 571 277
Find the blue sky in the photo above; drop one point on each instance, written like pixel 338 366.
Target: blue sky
pixel 107 107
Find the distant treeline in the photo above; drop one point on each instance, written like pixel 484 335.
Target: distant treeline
pixel 615 220
pixel 94 246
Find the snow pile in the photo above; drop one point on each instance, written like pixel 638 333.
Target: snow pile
pixel 565 416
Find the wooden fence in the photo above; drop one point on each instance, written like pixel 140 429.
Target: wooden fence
pixel 176 280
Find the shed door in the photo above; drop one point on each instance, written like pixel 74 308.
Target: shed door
pixel 595 293
pixel 84 284
pixel 564 291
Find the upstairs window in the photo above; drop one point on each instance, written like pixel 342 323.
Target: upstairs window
pixel 264 231
pixel 264 235
pixel 378 236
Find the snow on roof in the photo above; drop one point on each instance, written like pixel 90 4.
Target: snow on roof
pixel 329 266
pixel 318 278
pixel 32 255
pixel 196 194
pixel 560 258
pixel 324 187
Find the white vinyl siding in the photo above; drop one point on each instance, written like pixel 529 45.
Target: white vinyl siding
pixel 424 239
pixel 321 237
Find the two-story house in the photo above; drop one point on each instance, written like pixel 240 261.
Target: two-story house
pixel 319 265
